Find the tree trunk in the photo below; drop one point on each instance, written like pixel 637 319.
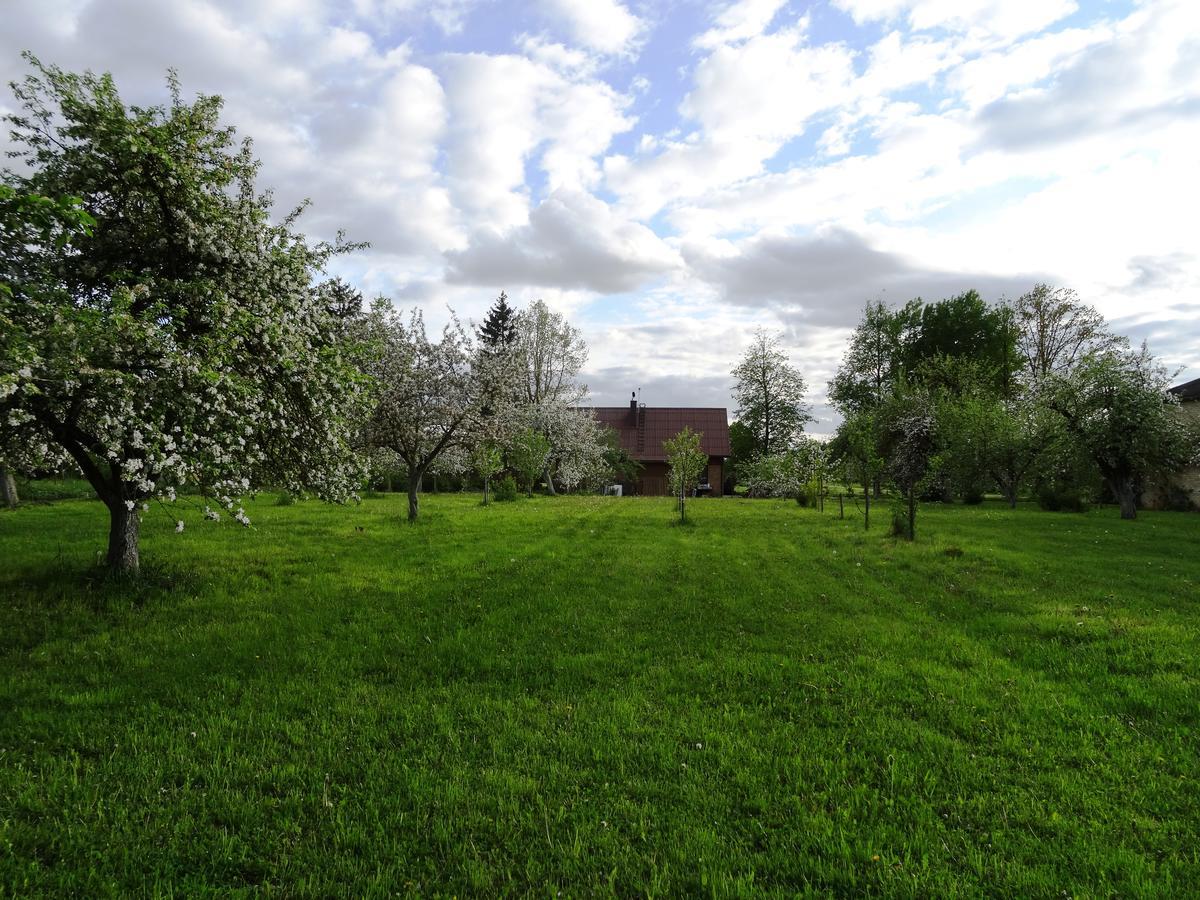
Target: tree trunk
pixel 912 513
pixel 867 515
pixel 1126 493
pixel 549 482
pixel 878 488
pixel 123 538
pixel 8 489
pixel 414 491
pixel 485 492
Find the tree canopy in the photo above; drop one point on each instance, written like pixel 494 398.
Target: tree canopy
pixel 182 341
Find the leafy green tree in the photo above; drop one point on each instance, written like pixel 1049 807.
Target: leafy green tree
pixel 855 451
pixel 183 342
pixel 874 359
pixel 529 455
pixel 686 461
pixel 623 467
pixel 742 449
pixel 964 327
pixel 487 461
pixel 1116 404
pixel 770 395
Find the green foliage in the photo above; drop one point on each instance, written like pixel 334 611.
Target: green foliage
pixel 506 489
pixel 529 454
pixel 499 329
pixel 459 708
pixel 164 328
pixel 1055 498
pixel 769 392
pixel 686 461
pixel 622 467
pixel 1116 406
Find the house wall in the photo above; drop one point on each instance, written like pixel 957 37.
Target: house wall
pixel 653 480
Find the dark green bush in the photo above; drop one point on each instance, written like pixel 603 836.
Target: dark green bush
pixel 505 489
pixel 1061 500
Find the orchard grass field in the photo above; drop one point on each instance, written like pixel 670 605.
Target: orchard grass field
pixel 576 694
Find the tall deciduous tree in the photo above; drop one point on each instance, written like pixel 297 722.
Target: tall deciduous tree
pixel 183 342
pixel 686 461
pixel 1055 330
pixel 551 353
pixel 769 392
pixel 874 358
pixel 1117 406
pixel 428 397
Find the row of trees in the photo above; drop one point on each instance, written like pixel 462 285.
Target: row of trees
pixel 159 331
pixel 959 397
pixel 505 398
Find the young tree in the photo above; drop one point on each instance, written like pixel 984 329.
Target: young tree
pixel 686 461
pixel 487 462
pixel 770 395
pixel 529 453
pixel 428 397
pixel 1116 404
pixel 183 342
pixel 908 443
pixel 855 448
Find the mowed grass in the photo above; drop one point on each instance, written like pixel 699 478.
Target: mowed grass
pixel 575 694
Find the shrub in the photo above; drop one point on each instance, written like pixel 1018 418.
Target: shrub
pixel 901 526
pixel 972 496
pixel 505 489
pixel 1061 499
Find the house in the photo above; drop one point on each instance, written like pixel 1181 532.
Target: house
pixel 641 430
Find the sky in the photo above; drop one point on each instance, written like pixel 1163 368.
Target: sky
pixel 671 175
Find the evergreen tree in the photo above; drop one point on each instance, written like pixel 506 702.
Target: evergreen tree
pixel 499 329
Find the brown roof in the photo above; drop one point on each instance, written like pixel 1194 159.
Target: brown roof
pixel 660 423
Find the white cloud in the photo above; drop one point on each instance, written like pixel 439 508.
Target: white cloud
pixel 506 108
pixel 572 241
pixel 982 19
pixel 606 26
pixel 740 20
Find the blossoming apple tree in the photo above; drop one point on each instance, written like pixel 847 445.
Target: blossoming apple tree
pixel 183 342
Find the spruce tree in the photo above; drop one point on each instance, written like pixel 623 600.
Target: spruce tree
pixel 499 329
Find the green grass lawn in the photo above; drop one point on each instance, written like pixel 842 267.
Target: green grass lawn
pixel 576 694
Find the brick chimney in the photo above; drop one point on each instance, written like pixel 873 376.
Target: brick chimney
pixel 633 407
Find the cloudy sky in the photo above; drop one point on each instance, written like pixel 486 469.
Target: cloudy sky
pixel 671 174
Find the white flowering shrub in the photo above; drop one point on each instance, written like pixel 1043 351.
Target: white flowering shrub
pixel 182 343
